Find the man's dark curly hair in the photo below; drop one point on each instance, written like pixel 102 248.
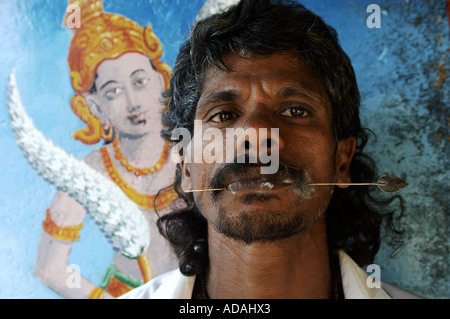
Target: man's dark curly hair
pixel 261 28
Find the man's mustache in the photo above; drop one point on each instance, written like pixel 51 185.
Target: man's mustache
pixel 242 171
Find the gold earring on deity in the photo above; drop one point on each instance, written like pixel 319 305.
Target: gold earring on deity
pixel 107 133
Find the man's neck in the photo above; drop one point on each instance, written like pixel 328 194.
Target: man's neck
pixel 296 267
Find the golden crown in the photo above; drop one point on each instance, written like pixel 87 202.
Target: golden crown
pixel 104 36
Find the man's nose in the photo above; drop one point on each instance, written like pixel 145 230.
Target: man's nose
pixel 259 136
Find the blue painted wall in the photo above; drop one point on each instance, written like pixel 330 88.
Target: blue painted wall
pixel 402 71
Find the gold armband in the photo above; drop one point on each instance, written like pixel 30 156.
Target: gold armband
pixel 96 293
pixel 66 233
pixel 144 266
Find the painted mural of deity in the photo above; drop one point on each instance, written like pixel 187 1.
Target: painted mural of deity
pixel 118 80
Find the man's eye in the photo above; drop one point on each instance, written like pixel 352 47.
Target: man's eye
pixel 114 92
pixel 295 111
pixel 222 117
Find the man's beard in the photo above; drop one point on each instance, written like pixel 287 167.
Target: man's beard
pixel 264 225
pixel 268 226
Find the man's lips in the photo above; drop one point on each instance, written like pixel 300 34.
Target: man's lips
pixel 247 179
pixel 259 185
pixel 249 173
pixel 253 180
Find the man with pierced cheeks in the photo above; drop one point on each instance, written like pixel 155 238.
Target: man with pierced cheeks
pixel 271 64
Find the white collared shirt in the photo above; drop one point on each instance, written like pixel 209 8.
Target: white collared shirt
pixel 175 285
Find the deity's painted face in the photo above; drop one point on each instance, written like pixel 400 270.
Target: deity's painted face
pixel 128 95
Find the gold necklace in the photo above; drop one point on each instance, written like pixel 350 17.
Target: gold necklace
pixel 143 200
pixel 141 171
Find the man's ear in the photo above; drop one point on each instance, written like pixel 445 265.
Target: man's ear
pixel 344 155
pixel 186 183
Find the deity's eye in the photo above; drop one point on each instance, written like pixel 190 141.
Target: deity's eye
pixel 140 82
pixel 113 93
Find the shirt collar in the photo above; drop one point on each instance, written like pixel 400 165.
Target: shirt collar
pixel 354 283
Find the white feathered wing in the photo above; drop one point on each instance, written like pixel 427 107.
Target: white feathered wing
pixel 118 217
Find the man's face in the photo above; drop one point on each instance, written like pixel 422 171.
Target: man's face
pixel 275 92
pixel 129 95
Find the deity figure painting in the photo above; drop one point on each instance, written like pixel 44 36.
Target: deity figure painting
pixel 118 80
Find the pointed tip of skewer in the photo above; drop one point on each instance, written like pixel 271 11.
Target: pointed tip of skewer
pixel 391 183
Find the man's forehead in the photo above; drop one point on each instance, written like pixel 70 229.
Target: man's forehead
pixel 234 60
pixel 286 73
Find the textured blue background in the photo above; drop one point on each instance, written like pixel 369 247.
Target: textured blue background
pixel 396 65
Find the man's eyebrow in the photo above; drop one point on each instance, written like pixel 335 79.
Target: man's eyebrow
pixel 290 91
pixel 110 81
pixel 220 96
pixel 136 71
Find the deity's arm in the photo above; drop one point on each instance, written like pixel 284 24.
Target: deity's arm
pixel 64 219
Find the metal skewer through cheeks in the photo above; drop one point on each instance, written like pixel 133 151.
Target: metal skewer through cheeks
pixel 387 183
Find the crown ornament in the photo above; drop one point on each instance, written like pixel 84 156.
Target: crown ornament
pixel 104 36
